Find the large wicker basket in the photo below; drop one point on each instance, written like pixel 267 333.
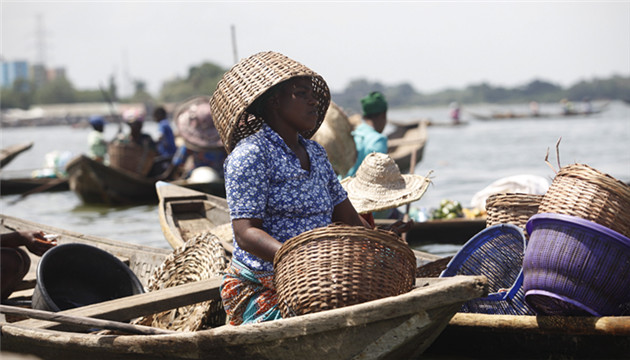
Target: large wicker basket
pixel 336 266
pixel 581 191
pixel 200 258
pixel 131 157
pixel 511 208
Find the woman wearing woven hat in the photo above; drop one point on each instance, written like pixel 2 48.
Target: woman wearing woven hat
pixel 378 185
pixel 278 183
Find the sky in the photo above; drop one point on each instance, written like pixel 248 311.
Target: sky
pixel 428 44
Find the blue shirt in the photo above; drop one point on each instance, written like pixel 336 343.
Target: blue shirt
pixel 367 141
pixel 166 145
pixel 264 180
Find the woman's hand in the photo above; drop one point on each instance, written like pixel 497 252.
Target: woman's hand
pixel 252 238
pixel 398 227
pixel 36 243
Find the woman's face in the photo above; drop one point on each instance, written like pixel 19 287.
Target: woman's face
pixel 297 105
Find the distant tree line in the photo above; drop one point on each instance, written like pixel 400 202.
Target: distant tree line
pixel 202 80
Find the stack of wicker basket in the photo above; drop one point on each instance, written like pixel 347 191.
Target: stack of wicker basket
pixel 577 261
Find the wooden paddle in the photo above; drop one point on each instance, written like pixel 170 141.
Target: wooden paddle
pixel 39 189
pixel 134 306
pixel 82 321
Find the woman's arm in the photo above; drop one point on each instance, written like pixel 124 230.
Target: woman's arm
pixel 344 212
pixel 252 238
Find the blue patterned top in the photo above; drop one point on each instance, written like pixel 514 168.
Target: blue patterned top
pixel 264 180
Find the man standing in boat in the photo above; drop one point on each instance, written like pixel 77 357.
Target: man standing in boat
pixel 368 135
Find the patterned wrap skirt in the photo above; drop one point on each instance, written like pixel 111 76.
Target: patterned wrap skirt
pixel 249 296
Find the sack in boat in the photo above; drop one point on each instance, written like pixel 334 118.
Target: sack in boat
pixel 335 135
pixel 337 265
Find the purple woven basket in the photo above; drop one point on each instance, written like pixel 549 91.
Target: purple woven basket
pixel 574 266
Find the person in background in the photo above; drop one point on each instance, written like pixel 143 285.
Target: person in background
pixel 97 146
pixel 368 136
pixel 455 112
pixel 567 107
pixel 15 262
pixel 202 148
pixel 534 109
pixel 278 183
pixel 166 142
pixel 135 119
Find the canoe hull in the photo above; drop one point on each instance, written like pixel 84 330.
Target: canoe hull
pixel 96 183
pixel 508 336
pixel 396 327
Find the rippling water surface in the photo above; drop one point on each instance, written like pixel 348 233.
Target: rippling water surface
pixel 463 159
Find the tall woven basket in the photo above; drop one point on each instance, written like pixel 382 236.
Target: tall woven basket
pixel 131 157
pixel 336 266
pixel 511 208
pixel 581 191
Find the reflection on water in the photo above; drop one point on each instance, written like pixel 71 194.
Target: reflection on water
pixel 464 160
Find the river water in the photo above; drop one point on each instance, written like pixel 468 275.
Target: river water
pixel 463 159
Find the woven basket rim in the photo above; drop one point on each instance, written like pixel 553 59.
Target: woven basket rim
pixel 581 223
pixel 513 199
pixel 588 173
pixel 334 230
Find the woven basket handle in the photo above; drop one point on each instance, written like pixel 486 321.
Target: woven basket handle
pixel 557 156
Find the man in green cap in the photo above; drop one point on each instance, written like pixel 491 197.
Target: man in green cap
pixel 368 135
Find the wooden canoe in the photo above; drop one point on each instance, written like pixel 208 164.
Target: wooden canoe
pixel 534 337
pixel 184 212
pixel 394 327
pixel 10 186
pixel 448 231
pixel 95 182
pixel 406 144
pixel 9 153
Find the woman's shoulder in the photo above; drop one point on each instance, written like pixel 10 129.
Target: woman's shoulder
pixel 253 145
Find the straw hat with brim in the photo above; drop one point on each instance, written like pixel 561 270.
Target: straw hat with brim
pixel 379 185
pixel 247 81
pixel 195 125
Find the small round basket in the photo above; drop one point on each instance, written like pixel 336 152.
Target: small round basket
pixel 576 267
pixel 200 258
pixel 511 208
pixel 336 266
pixel 497 253
pixel 581 191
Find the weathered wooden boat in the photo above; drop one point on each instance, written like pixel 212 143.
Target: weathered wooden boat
pixel 508 115
pixel 448 231
pixel 140 258
pixel 95 182
pixel 185 212
pixel 10 186
pixel 534 337
pixel 9 153
pixel 401 326
pixel 406 144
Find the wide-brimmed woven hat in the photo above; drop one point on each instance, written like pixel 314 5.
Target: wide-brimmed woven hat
pixel 195 125
pixel 379 185
pixel 247 81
